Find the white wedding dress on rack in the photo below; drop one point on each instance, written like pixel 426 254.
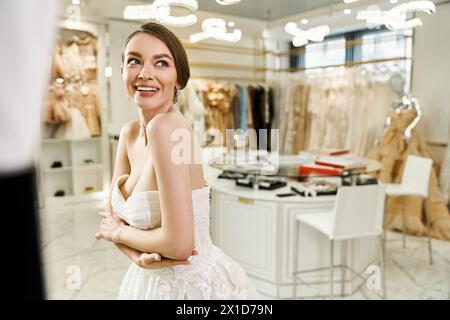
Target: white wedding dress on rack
pixel 211 274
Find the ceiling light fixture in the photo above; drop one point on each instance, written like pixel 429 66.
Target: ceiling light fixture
pixel 304 21
pixel 217 29
pixel 302 37
pixel 395 18
pixel 347 11
pixel 160 10
pixel 350 1
pixel 227 2
pixel 266 33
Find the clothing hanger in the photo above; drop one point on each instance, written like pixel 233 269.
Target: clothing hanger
pixel 84 41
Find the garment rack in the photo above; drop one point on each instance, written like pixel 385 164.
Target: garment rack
pixel 437 144
pixel 228 66
pixel 229 78
pixel 347 64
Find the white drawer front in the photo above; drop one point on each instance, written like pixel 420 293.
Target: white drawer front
pixel 248 230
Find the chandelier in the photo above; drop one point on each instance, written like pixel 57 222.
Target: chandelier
pixel 302 37
pixel 217 29
pixel 160 10
pixel 396 18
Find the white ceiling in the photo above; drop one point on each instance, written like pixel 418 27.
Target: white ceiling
pixel 269 10
pixel 265 9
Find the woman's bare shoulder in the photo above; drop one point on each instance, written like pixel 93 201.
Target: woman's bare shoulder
pixel 165 123
pixel 129 129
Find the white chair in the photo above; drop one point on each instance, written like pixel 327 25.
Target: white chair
pixel 415 181
pixel 358 212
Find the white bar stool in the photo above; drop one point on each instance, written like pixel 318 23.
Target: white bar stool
pixel 358 213
pixel 415 182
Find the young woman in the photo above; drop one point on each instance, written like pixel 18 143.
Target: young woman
pixel 158 202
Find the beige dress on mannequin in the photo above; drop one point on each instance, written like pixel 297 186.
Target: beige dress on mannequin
pixel 300 100
pixel 392 151
pixel 218 111
pixel 88 55
pixel 445 175
pixel 57 65
pixel 89 108
pixel 57 108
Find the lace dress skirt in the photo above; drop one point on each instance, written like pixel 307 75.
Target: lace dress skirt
pixel 211 276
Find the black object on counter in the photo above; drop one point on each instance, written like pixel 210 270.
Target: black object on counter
pixel 262 184
pixel 362 181
pixel 244 182
pixel 271 184
pixel 290 194
pixel 232 175
pixel 318 193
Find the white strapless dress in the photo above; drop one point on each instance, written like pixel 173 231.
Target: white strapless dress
pixel 211 274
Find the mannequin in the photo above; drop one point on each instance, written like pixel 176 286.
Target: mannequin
pixel 400 140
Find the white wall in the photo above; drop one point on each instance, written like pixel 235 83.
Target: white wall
pixel 431 73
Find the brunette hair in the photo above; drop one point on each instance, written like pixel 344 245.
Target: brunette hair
pixel 172 42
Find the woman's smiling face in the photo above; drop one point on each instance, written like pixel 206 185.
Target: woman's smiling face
pixel 149 72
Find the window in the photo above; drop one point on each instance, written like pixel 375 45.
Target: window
pixel 356 46
pixel 328 52
pixel 382 45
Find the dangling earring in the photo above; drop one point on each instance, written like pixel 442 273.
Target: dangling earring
pixel 177 94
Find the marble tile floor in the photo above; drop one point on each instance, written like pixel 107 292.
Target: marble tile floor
pixel 77 266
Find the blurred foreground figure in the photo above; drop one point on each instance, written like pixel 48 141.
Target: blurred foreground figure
pixel 27 34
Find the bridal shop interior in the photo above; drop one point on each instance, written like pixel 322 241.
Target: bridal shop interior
pixel 324 128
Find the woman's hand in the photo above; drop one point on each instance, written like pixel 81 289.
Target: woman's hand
pixel 154 261
pixel 110 227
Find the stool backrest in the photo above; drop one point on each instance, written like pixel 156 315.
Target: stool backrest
pixel 358 211
pixel 416 174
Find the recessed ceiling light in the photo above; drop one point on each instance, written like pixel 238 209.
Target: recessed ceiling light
pixel 231 24
pixel 393 1
pixel 304 21
pixel 347 11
